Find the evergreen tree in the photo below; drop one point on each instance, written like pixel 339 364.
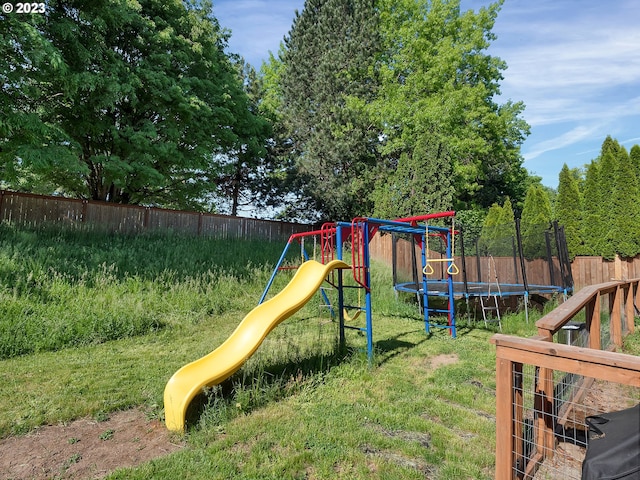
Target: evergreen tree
pixel 284 189
pixel 634 156
pixel 594 213
pixel 624 207
pixel 609 161
pixel 420 183
pixel 568 211
pixel 611 203
pixel 326 80
pixel 243 171
pixel 535 220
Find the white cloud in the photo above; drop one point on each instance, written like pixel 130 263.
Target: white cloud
pixel 572 137
pixel 568 63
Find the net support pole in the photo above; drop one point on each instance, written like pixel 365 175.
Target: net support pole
pixel 524 270
pixel 452 313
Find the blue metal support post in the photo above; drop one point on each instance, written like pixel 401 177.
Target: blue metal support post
pixel 452 314
pixel 425 287
pixel 340 286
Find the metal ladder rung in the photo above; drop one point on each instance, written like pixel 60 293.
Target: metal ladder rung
pixel 488 308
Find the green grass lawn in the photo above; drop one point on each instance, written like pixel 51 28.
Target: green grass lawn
pixel 302 407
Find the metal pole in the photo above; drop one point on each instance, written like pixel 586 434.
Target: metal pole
pixel 452 313
pixel 521 253
pixel 425 287
pixel 463 261
pixel 547 240
pixel 275 271
pixel 342 338
pixel 367 276
pixel 524 272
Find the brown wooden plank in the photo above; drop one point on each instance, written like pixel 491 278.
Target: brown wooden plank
pixel 605 365
pixel 504 423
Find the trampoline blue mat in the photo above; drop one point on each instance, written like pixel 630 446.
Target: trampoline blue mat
pixel 477 289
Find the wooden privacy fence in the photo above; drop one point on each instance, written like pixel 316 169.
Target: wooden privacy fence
pixel 35 210
pixel 593 270
pixel 606 312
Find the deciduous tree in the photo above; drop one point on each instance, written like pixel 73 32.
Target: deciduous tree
pixel 438 88
pixel 144 104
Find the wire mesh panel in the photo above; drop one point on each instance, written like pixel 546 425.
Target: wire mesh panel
pixel 547 387
pixel 575 399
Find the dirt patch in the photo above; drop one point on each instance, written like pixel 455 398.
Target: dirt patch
pixel 85 448
pixel 428 470
pixel 444 359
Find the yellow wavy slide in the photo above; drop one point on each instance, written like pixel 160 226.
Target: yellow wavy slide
pixel 225 360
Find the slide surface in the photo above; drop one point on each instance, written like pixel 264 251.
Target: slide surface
pixel 225 360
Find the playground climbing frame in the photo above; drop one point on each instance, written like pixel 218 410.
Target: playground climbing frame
pixel 334 239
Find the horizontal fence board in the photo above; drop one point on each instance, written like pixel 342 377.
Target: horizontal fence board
pixel 34 210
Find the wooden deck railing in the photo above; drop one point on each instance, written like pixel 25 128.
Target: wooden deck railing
pixel 611 305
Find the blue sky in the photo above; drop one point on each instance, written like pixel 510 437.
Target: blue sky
pixel 575 65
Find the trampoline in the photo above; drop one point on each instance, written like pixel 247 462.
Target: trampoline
pixel 507 266
pixel 477 289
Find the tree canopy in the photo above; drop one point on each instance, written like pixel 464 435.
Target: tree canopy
pixel 137 106
pixel 369 107
pixel 569 210
pixel 449 143
pixel 535 220
pixel 326 80
pixel 498 235
pixel 389 108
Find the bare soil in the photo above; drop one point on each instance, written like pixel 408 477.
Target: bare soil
pixel 85 448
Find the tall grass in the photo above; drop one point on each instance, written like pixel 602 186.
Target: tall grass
pixel 301 407
pixel 61 288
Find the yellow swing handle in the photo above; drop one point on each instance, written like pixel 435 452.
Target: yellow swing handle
pixel 452 269
pixel 428 269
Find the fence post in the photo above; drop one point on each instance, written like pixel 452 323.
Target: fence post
pixel 83 215
pixel 145 218
pixel 504 417
pixel 545 439
pixel 592 315
pixel 616 317
pixel 629 307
